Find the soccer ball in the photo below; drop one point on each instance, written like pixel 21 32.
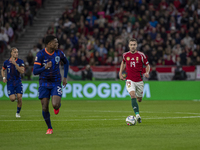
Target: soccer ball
pixel 131 120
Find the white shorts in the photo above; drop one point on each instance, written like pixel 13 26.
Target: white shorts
pixel 135 86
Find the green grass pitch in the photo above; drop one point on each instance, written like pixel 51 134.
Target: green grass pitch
pixel 100 125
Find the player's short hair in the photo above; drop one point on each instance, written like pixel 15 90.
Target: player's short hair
pixel 49 38
pixel 13 48
pixel 132 40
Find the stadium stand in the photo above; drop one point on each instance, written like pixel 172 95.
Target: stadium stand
pixel 167 31
pixel 96 32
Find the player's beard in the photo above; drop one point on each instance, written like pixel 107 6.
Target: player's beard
pixel 133 50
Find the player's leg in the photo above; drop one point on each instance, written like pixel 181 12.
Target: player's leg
pixel 56 93
pixel 44 96
pixel 11 93
pixel 19 105
pixel 56 103
pixel 19 92
pixel 130 86
pixel 139 94
pixel 12 97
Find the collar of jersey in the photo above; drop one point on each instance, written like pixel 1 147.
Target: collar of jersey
pixel 48 52
pixel 15 59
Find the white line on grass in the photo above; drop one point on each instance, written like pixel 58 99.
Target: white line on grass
pixel 108 111
pixel 159 118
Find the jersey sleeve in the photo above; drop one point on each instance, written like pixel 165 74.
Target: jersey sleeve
pixel 21 63
pixel 4 66
pixel 123 58
pixel 38 59
pixel 63 57
pixel 144 60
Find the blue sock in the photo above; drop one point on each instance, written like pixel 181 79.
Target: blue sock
pixel 46 116
pixel 18 109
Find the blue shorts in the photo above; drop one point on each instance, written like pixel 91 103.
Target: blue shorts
pixel 46 92
pixel 15 89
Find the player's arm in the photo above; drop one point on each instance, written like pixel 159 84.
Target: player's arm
pixel 19 68
pixel 122 67
pixel 66 68
pixel 146 63
pixel 38 68
pixel 147 71
pixel 3 75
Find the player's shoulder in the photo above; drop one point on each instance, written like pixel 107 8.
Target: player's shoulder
pixel 126 54
pixel 6 61
pixel 59 51
pixel 41 53
pixel 141 53
pixel 20 60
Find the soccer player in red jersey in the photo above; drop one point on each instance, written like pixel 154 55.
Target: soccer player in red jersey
pixel 133 61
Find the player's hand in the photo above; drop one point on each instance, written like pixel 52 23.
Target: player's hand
pixel 48 65
pixel 12 60
pixel 5 80
pixel 146 75
pixel 121 77
pixel 64 82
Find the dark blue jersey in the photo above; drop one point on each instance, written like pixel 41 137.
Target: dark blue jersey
pixel 13 75
pixel 50 77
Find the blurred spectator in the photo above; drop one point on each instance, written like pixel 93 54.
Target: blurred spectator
pixel 28 71
pixel 101 49
pixel 179 74
pixel 30 58
pixel 87 74
pixel 9 31
pixel 34 51
pixel 4 39
pixel 153 74
pixel 187 40
pixel 73 61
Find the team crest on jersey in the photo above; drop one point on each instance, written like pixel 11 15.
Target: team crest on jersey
pixel 137 59
pixel 128 58
pixel 57 59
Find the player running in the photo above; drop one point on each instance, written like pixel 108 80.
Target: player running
pixel 47 66
pixel 133 62
pixel 14 67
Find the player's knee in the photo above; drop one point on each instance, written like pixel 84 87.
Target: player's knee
pixel 133 95
pixel 19 98
pixel 56 106
pixel 12 99
pixel 45 109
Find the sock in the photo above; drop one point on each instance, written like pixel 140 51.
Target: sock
pixel 18 109
pixel 46 116
pixel 135 105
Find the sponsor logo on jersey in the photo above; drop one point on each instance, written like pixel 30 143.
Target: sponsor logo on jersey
pixel 132 58
pixel 128 58
pixel 36 58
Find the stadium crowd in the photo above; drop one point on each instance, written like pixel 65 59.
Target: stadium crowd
pixel 14 16
pixel 96 32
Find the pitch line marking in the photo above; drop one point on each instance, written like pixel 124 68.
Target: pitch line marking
pixel 158 118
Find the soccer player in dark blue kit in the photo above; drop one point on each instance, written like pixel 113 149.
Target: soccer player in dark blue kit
pixel 14 67
pixel 47 66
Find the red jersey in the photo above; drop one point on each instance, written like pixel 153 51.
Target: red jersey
pixel 134 65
